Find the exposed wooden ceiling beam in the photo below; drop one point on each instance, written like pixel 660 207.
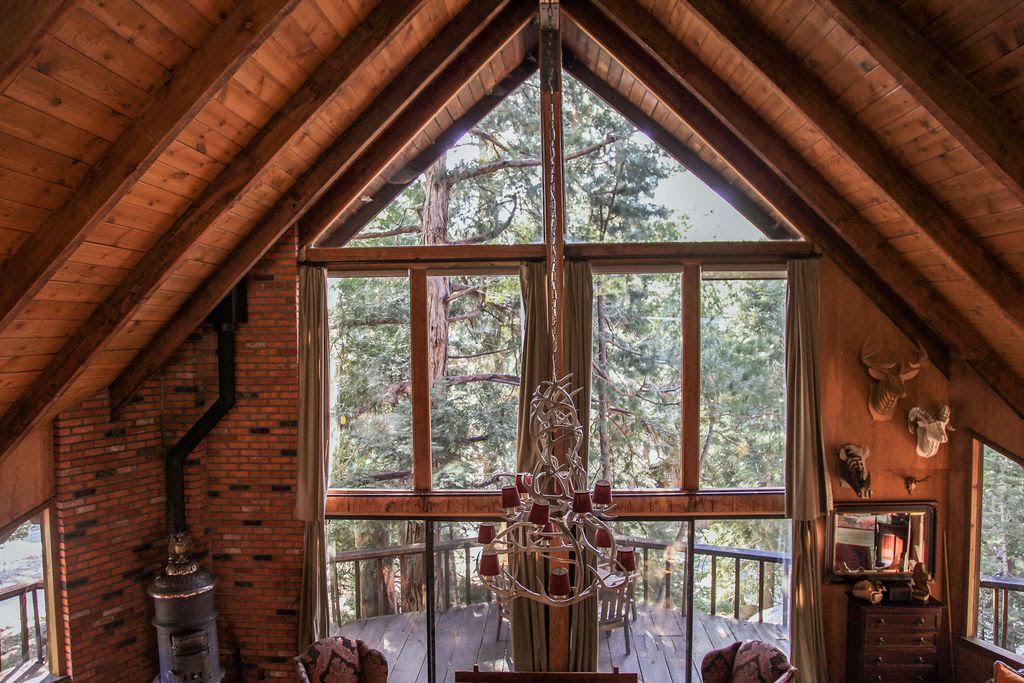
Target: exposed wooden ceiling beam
pixel 711 107
pixel 433 93
pixel 24 27
pixel 948 95
pixel 340 234
pixel 955 241
pixel 707 173
pixel 381 26
pixel 194 82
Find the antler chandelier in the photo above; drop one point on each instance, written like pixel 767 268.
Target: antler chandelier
pixel 553 517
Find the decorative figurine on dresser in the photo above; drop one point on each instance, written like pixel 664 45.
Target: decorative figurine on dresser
pixel 893 624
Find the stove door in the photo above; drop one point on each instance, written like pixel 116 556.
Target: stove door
pixel 190 655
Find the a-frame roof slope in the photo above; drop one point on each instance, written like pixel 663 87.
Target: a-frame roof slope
pixel 150 151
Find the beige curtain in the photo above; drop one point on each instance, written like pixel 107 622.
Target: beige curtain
pixel 579 309
pixel 809 495
pixel 529 627
pixel 311 484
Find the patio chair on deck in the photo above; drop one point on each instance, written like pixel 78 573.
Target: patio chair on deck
pixel 341 660
pixel 613 610
pixel 504 611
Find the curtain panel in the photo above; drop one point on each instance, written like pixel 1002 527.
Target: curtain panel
pixel 579 313
pixel 313 467
pixel 809 495
pixel 529 625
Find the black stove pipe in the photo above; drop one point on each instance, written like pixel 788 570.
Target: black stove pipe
pixel 175 462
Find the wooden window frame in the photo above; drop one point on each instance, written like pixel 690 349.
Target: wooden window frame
pixel 973 577
pixel 690 260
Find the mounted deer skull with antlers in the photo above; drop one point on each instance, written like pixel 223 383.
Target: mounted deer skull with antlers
pixel 931 431
pixel 890 379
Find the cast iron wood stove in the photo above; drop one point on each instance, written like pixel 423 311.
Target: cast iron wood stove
pixel 186 616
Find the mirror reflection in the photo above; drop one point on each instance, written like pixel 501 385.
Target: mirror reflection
pixel 880 541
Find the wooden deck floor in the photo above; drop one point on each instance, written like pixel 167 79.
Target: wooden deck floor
pixel 467 636
pixel 29 672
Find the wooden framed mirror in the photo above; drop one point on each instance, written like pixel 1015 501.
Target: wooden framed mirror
pixel 879 540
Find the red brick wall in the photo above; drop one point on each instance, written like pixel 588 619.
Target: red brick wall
pixel 240 482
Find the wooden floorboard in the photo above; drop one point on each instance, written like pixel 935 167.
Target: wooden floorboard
pixel 466 636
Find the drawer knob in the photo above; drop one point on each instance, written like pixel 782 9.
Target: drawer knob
pixel 881 621
pixel 920 622
pixel 881 640
pixel 921 640
pixel 920 659
pixel 877 660
pixel 879 677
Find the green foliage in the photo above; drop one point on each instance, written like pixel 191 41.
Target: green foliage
pixel 638 326
pixel 504 203
pixel 609 194
pixel 371 415
pixel 473 423
pixel 1001 551
pixel 743 383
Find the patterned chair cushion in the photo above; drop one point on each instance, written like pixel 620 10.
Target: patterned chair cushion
pixel 342 660
pixel 758 662
pixel 717 664
pixel 749 662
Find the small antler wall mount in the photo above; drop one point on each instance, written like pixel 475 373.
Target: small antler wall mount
pixel 890 378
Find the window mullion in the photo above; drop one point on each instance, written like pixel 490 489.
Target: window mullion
pixel 690 383
pixel 422 476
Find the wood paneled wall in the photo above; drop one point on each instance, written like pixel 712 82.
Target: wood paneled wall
pixel 848 318
pixel 26 477
pixel 978 413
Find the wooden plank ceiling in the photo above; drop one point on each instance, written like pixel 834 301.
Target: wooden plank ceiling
pixel 150 150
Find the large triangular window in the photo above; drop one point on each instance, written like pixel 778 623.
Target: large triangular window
pixel 620 185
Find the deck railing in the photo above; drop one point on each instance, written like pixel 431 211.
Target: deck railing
pixel 1002 588
pixel 716 554
pixel 22 591
pixel 444 549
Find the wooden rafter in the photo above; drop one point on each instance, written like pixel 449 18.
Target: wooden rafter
pixel 962 250
pixel 241 174
pixel 707 173
pixel 948 95
pixel 764 180
pixel 722 118
pixel 195 81
pixel 339 234
pixel 24 27
pixel 418 111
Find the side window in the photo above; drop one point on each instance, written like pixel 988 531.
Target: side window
pixel 25 600
pixel 1000 551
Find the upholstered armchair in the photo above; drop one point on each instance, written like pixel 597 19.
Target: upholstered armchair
pixel 341 660
pixel 749 662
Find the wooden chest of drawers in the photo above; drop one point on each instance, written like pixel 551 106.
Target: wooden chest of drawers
pixel 892 642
